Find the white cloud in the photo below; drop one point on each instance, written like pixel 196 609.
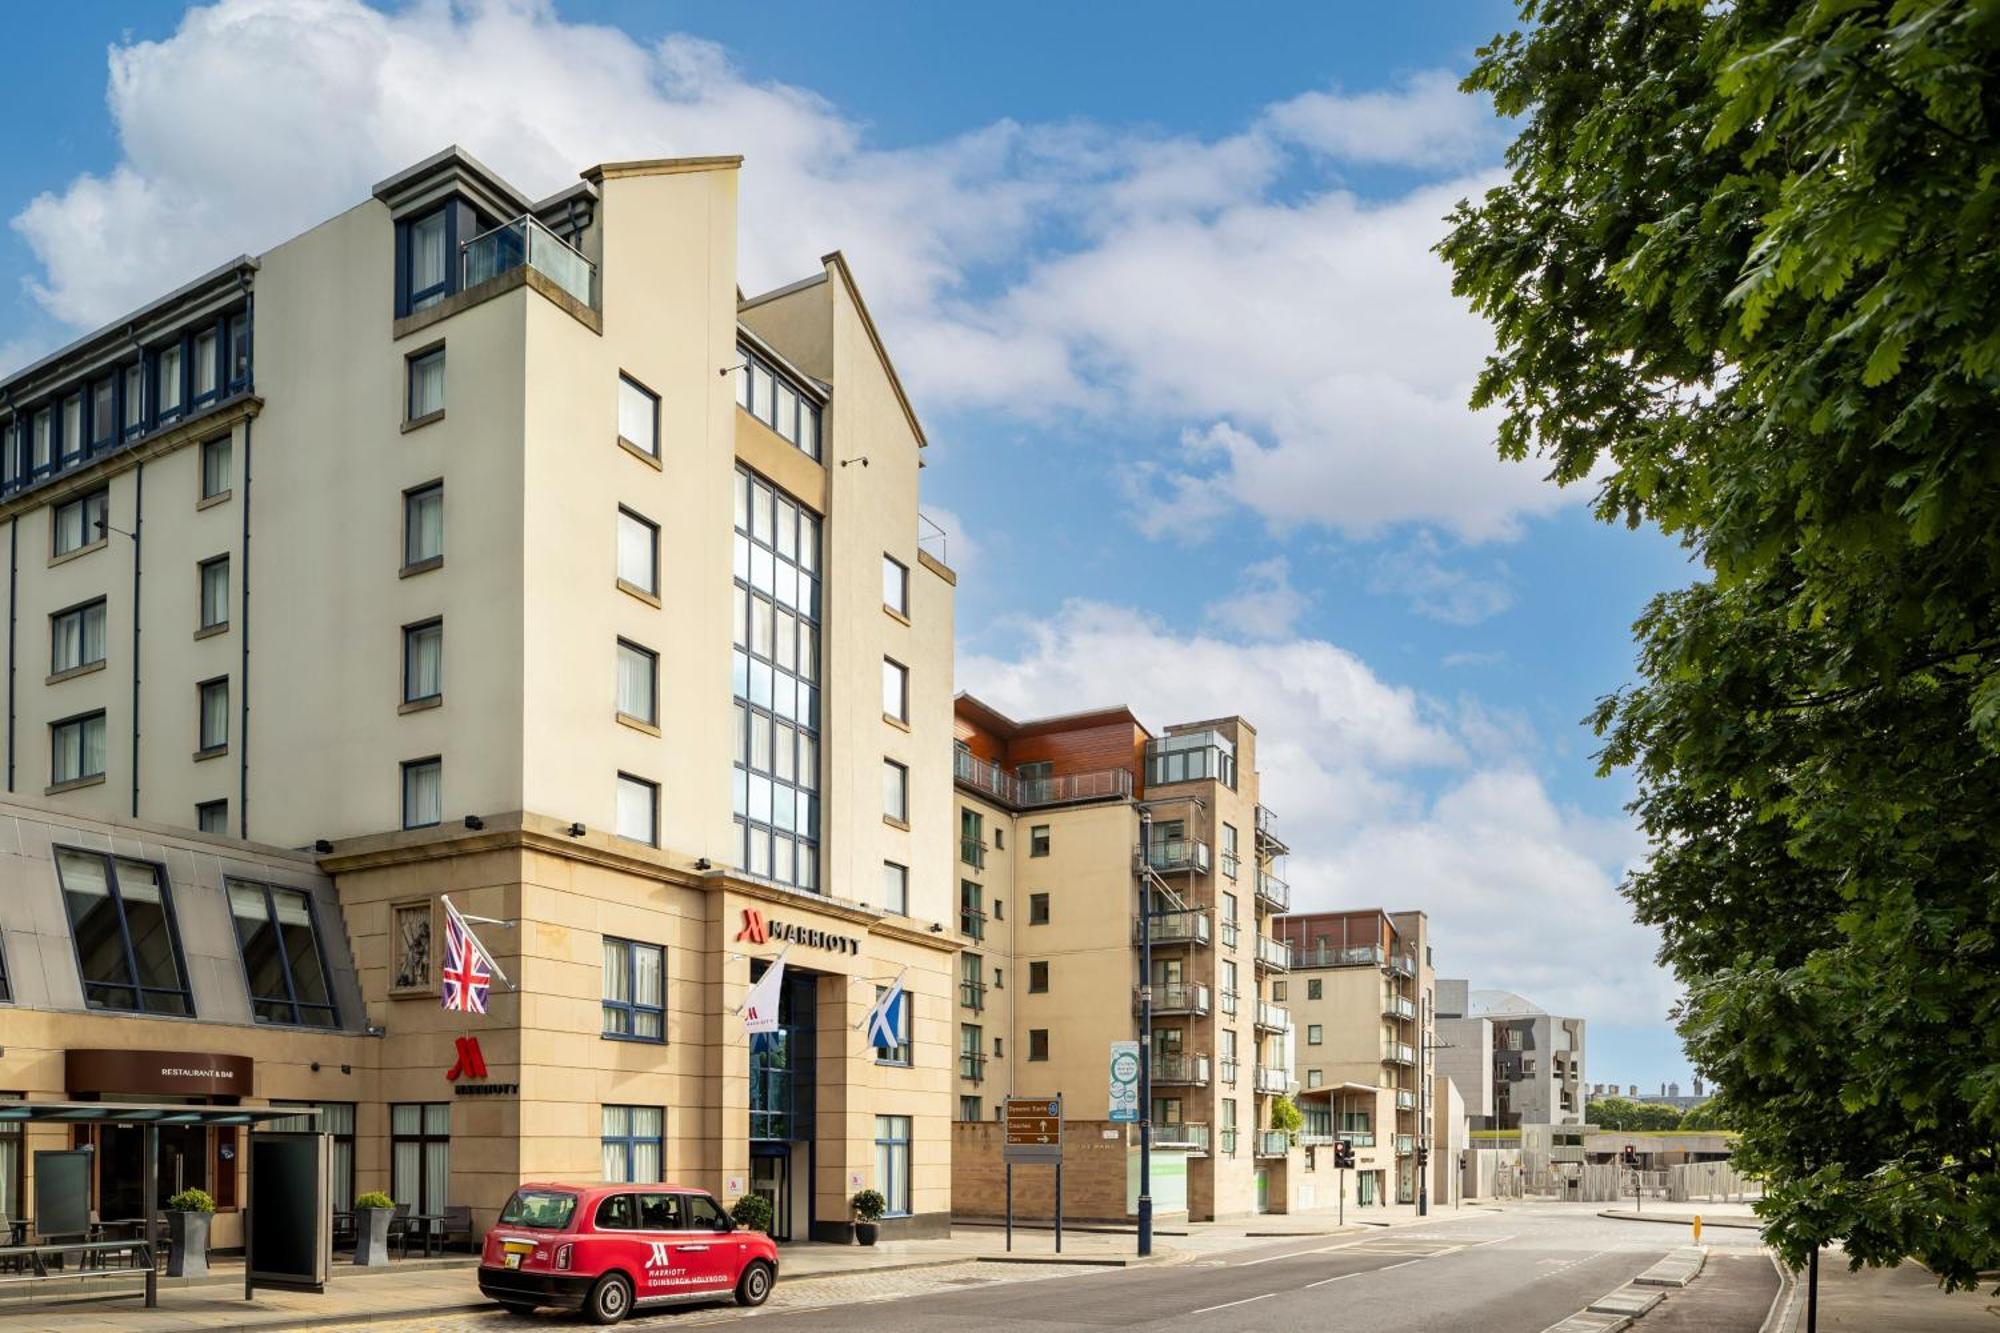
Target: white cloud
pixel 958 548
pixel 1418 573
pixel 1224 286
pixel 1388 799
pixel 1264 605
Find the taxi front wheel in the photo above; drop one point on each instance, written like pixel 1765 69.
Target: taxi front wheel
pixel 610 1300
pixel 754 1287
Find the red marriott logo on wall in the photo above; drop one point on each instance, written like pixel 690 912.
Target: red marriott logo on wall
pixel 756 930
pixel 470 1062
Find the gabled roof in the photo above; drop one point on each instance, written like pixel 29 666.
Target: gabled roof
pixel 838 262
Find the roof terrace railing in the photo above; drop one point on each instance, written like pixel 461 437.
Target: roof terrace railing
pixel 525 242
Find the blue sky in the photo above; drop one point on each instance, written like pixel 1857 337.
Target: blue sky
pixel 1158 279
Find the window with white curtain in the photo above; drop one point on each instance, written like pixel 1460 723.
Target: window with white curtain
pixel 896 791
pixel 76 748
pixel 215 472
pixel 892 1162
pixel 420 1155
pixel 423 661
pixel 76 637
pixel 214 592
pixel 638 682
pixel 168 364
pixel 638 809
pixel 214 729
pixel 895 888
pixel 423 525
pixel 426 395
pixel 634 990
pixel 423 793
pixel 428 276
pixel 635 1141
pixel 638 416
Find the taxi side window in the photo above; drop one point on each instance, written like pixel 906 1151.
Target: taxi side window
pixel 619 1211
pixel 660 1212
pixel 704 1214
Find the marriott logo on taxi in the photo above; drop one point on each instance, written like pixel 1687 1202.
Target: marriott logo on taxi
pixel 756 930
pixel 661 1258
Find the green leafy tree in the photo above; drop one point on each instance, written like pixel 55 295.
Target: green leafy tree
pixel 1611 1112
pixel 1707 1116
pixel 1656 1117
pixel 1742 276
pixel 1285 1115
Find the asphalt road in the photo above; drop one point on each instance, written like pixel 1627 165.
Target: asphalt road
pixel 1517 1272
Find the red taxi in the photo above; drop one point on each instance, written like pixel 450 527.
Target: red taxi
pixel 606 1249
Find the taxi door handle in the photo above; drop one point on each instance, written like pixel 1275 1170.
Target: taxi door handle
pixel 690 1249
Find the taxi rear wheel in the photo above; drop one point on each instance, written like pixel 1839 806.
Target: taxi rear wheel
pixel 610 1300
pixel 754 1287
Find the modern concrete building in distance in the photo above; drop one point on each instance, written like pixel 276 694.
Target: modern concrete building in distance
pixel 1052 874
pixel 1515 1063
pixel 496 546
pixel 1360 993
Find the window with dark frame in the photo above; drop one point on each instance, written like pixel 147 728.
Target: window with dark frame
pixel 634 1143
pixel 215 467
pixel 81 522
pixel 638 552
pixel 423 526
pixel 1038 840
pixel 213 575
pixel 895 888
pixel 1038 909
pixel 896 586
pixel 427 269
pixel 425 396
pixel 896 791
pixel 282 958
pixel 212 733
pixel 212 817
pixel 121 919
pixel 1038 1043
pixel 769 396
pixel 1038 978
pixel 423 792
pixel 76 637
pixel 423 661
pixel 638 683
pixel 420 1155
pixel 895 690
pixel 634 990
pixel 76 748
pixel 638 416
pixel 638 810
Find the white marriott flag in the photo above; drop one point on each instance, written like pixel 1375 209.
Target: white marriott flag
pixel 760 1006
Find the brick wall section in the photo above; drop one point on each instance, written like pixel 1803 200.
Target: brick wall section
pixel 1093 1174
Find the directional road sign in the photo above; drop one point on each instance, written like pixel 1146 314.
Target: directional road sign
pixel 1034 1129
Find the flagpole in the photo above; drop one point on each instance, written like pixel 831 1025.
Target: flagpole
pixel 477 943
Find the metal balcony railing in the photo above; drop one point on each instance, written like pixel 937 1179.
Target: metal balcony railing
pixel 1188 927
pixel 1273 892
pixel 971 1067
pixel 1228 1071
pixel 972 994
pixel 1229 1143
pixel 1267 832
pixel 1273 1143
pixel 1398 1053
pixel 526 243
pixel 1175 997
pixel 1014 790
pixel 1230 863
pixel 1190 1069
pixel 1229 934
pixel 1171 856
pixel 1273 954
pixel 1406 1100
pixel 972 922
pixel 1229 1003
pixel 1192 1136
pixel 972 851
pixel 1273 1017
pixel 1272 1079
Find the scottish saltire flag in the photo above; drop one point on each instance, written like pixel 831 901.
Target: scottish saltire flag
pixel 468 972
pixel 885 1020
pixel 760 1006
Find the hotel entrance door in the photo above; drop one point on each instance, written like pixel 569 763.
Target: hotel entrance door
pixel 771 1176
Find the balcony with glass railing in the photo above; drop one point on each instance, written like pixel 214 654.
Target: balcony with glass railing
pixel 1360 1138
pixel 1058 789
pixel 1331 955
pixel 1175 856
pixel 1191 1070
pixel 1268 840
pixel 1273 893
pixel 1273 1143
pixel 1175 997
pixel 1406 1100
pixel 1183 1134
pixel 526 243
pixel 1272 1017
pixel 1395 1006
pixel 1185 927
pixel 1398 1053
pixel 1273 955
pixel 1403 964
pixel 1405 1144
pixel 1273 1079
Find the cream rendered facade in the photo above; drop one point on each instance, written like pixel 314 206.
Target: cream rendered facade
pixel 629 274
pixel 1050 878
pixel 1362 995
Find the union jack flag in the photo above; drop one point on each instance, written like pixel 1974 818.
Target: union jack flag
pixel 468 974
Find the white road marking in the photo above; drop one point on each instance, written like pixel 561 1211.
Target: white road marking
pixel 1342 1278
pixel 1226 1304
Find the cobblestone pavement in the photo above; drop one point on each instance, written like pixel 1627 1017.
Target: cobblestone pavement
pixel 815 1293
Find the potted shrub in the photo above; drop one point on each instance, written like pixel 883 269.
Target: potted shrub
pixel 868 1206
pixel 753 1213
pixel 372 1212
pixel 187 1228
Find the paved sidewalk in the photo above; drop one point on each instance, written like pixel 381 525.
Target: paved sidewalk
pixel 1904 1299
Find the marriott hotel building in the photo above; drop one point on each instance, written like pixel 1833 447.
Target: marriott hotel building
pixel 476 544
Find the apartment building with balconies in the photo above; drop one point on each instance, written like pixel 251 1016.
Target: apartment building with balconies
pixel 1518 1063
pixel 477 542
pixel 1360 991
pixel 1078 833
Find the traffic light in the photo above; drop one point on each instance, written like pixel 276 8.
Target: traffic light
pixel 1343 1154
pixel 1630 1157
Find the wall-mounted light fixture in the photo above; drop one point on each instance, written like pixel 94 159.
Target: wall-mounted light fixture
pixel 474 822
pixel 577 830
pixel 322 846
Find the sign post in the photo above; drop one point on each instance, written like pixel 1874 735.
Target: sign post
pixel 1034 1138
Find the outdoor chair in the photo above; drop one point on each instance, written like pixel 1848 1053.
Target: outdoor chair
pixel 457 1225
pixel 399 1229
